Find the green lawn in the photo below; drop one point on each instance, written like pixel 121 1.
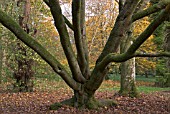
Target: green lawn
pixel 147 89
pixel 138 78
pixel 141 89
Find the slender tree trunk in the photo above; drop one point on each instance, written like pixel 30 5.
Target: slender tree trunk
pixel 128 84
pixel 146 74
pixel 24 73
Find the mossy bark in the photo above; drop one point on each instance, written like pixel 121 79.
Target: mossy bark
pixel 84 99
pixel 128 84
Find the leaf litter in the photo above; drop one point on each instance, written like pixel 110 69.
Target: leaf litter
pixel 38 102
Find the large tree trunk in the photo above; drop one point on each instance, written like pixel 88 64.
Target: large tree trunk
pixel 84 99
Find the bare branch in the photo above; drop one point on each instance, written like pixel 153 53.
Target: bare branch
pixel 65 40
pixel 125 56
pixel 155 8
pixel 68 23
pixel 78 24
pixel 85 65
pixel 66 20
pixel 161 54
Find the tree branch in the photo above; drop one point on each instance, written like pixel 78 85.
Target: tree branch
pixel 149 30
pixel 125 56
pixel 9 23
pixel 155 8
pixel 118 33
pixel 77 23
pixel 68 23
pixel 65 40
pixel 66 20
pixel 121 3
pixel 85 67
pixel 161 54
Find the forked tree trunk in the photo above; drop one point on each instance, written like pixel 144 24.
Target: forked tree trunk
pixel 84 99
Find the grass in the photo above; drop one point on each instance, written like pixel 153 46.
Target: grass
pixel 138 78
pixel 111 85
pixel 146 89
pixel 53 83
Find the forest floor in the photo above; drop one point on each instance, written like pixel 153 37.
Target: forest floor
pixel 38 102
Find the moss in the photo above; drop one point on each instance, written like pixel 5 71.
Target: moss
pixel 133 91
pixel 55 106
pixel 58 105
pixel 69 102
pixel 107 103
pixel 129 90
pixel 91 104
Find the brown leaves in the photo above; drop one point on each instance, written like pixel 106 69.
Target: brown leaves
pixel 38 102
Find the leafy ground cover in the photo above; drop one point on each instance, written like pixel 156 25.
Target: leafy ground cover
pixel 154 100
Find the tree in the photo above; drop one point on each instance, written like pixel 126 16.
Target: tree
pixel 83 82
pixel 128 68
pixel 24 73
pixel 161 38
pixel 100 17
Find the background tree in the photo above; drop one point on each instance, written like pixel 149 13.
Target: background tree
pixel 161 39
pixel 84 83
pixel 128 68
pixel 12 48
pixel 100 17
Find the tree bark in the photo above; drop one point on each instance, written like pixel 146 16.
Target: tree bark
pixel 128 83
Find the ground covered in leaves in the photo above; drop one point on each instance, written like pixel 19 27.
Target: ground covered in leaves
pixel 38 102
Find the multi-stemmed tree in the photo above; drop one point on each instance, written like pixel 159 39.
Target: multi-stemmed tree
pixel 83 82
